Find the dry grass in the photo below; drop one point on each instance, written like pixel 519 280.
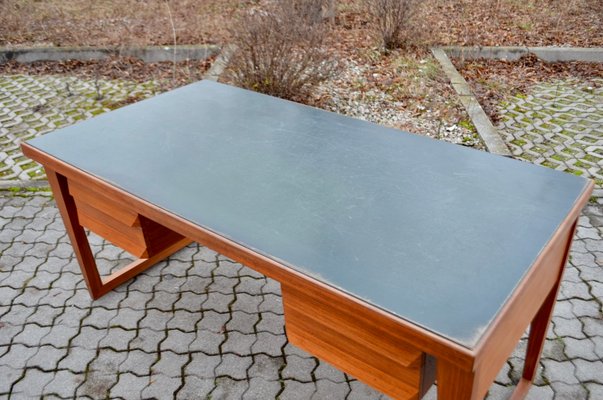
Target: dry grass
pixel 111 22
pixel 146 22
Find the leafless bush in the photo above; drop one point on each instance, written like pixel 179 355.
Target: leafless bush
pixel 393 20
pixel 281 52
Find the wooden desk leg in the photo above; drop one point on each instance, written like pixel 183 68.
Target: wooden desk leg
pixel 539 327
pixel 79 240
pixel 97 286
pixel 454 383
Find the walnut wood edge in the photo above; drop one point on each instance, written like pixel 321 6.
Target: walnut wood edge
pixel 423 339
pixel 520 309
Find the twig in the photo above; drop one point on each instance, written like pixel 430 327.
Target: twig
pixel 167 4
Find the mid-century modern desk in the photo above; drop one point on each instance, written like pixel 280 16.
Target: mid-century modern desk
pixel 402 260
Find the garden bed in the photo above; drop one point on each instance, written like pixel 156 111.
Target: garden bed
pixel 404 88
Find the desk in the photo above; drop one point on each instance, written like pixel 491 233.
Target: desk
pixel 402 260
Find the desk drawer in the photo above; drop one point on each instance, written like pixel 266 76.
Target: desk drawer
pixel 119 224
pixel 326 329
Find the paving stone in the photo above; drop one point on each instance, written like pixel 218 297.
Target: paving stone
pixel 224 268
pixel 297 391
pixel 598 342
pixel 571 290
pixel 155 320
pixel 251 286
pixel 196 285
pixel 89 337
pixel 553 349
pixel 60 335
pixel 246 271
pixel 163 301
pixel 135 300
pixel 170 284
pixel 290 349
pixel 568 327
pixel 568 392
pixel 213 321
pixel 9 376
pixel 266 367
pixel 239 343
pixel 99 318
pixel 227 388
pixel 272 323
pixel 556 371
pixel 595 391
pixel 169 364
pixel 63 384
pixel 78 359
pixel 96 386
pixel 203 366
pixel 269 344
pixel 591 274
pixel 272 303
pixel 107 362
pixel 218 302
pixel 129 386
pixel 33 383
pixel 583 259
pixel 196 388
pixel 138 362
pixel 184 320
pixel 46 358
pixel 328 390
pixel 16 315
pixel 299 369
pixel 148 340
pixel 584 348
pixel 262 389
pixel 117 338
pixel 207 341
pixel 234 366
pixel 589 371
pixel 593 326
pixel 242 322
pixel 178 341
pixel 31 335
pixel 326 371
pixel 17 356
pixel 540 393
pixel 248 303
pixel 223 284
pixel 127 318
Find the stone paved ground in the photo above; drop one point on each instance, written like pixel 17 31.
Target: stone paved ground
pixel 33 105
pixel 201 326
pixel 559 125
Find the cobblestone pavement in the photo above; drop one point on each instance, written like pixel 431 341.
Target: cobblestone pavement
pixel 33 105
pixel 201 326
pixel 559 125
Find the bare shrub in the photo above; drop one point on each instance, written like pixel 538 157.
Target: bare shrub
pixel 281 52
pixel 393 20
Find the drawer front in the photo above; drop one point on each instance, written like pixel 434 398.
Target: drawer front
pixel 129 238
pixel 332 333
pixel 119 224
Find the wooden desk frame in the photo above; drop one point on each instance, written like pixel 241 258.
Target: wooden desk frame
pixel 462 373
